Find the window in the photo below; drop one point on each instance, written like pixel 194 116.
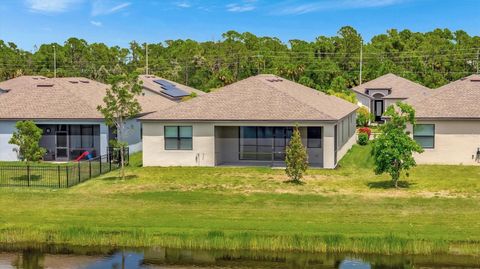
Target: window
pixel 314 137
pixel 178 138
pixel 424 134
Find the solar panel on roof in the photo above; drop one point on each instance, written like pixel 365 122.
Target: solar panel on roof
pixel 175 92
pixel 163 82
pixel 170 89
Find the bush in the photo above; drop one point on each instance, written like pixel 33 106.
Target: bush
pixel 362 139
pixel 365 130
pixel 363 116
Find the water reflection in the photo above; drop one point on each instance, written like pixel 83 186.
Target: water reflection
pixel 98 258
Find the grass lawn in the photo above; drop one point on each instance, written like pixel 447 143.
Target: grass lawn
pixel 347 209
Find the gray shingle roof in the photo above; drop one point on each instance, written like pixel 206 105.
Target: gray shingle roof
pixel 399 87
pixel 259 98
pixel 36 97
pixel 457 100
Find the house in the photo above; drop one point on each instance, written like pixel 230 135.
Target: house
pixel 378 94
pixel 66 110
pixel 448 123
pixel 250 122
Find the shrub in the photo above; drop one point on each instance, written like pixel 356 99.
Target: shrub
pixel 362 139
pixel 365 130
pixel 363 116
pixel 296 157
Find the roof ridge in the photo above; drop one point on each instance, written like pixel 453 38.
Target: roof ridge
pixel 292 96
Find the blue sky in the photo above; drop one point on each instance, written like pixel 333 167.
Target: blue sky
pixel 117 22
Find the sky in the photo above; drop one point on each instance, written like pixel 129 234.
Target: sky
pixel 117 22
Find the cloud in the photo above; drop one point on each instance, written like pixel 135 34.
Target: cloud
pixel 106 7
pixel 183 4
pixel 51 6
pixel 246 5
pixel 336 4
pixel 96 23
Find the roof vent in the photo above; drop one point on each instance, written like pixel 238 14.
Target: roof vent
pixel 274 79
pixel 45 85
pixel 73 81
pixel 84 81
pixel 475 80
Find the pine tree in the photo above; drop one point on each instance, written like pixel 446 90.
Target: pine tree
pixel 296 158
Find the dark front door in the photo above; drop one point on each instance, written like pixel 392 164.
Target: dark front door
pixel 379 109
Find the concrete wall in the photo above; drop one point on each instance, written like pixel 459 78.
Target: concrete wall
pixel 7 152
pixel 133 135
pixel 456 142
pixel 202 154
pixel 364 101
pixel 209 151
pixel 389 102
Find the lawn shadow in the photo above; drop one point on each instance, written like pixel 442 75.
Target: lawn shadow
pixel 25 178
pixel 127 177
pixel 294 182
pixel 388 184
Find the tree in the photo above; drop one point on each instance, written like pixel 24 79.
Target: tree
pixel 121 105
pixel 393 149
pixel 27 138
pixel 296 157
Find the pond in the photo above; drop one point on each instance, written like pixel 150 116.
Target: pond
pixel 96 258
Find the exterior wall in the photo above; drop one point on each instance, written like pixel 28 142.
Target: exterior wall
pixel 209 151
pixel 7 152
pixel 364 101
pixel 133 135
pixel 456 142
pixel 202 154
pixel 389 102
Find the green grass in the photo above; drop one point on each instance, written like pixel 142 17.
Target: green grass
pixel 347 209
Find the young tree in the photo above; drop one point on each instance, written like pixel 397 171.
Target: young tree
pixel 27 138
pixel 296 157
pixel 121 105
pixel 393 149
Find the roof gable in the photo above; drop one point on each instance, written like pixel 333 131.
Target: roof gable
pixel 400 88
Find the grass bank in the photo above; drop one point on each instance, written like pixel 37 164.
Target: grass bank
pixel 348 209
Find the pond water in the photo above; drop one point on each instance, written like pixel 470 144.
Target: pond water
pixel 99 258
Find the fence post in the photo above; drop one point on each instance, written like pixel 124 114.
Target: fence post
pixel 28 175
pixel 58 170
pixel 79 173
pixel 109 161
pixel 100 164
pixel 66 171
pixel 89 169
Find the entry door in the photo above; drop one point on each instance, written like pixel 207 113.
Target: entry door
pixel 61 137
pixel 379 107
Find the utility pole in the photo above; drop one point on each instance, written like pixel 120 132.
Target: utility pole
pixel 146 56
pixel 361 61
pixel 54 62
pixel 478 59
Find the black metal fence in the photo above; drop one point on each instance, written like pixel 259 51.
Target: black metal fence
pixel 65 175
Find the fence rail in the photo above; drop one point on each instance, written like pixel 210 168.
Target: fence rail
pixel 60 175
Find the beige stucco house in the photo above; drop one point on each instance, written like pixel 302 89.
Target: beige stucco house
pixel 448 123
pixel 379 93
pixel 250 122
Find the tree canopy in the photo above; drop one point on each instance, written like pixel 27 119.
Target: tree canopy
pixel 329 64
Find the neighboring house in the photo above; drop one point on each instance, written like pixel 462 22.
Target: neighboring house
pixel 250 122
pixel 448 123
pixel 383 91
pixel 66 110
